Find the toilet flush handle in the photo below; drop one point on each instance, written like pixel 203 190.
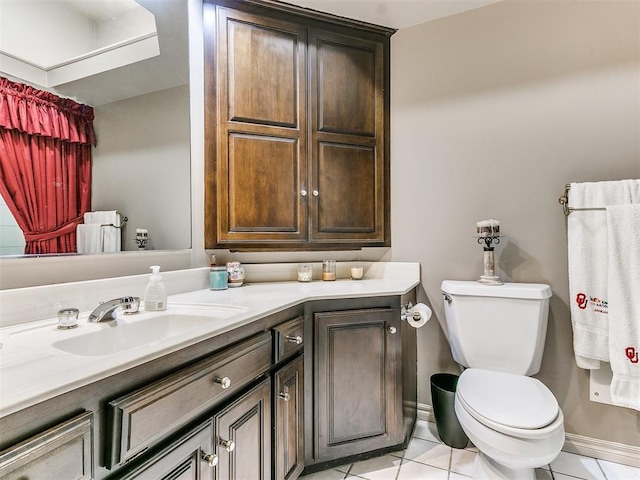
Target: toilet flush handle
pixel 447 297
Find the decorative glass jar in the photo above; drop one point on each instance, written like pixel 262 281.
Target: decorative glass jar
pixel 235 271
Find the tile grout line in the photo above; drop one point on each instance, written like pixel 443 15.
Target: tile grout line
pixel 604 474
pixel 401 463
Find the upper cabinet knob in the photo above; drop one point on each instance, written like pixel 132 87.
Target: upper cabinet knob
pixel 315 193
pixel 303 193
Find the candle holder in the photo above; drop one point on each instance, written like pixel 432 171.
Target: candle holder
pixel 489 235
pixel 142 238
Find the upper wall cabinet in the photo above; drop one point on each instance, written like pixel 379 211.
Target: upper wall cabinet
pixel 297 127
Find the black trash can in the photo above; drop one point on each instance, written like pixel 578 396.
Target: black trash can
pixel 443 391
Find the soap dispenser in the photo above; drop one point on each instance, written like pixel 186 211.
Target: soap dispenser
pixel 155 295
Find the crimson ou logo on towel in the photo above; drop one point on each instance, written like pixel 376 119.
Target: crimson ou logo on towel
pixel 582 301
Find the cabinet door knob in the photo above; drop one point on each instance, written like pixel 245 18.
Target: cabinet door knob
pixel 297 339
pixel 228 445
pixel 284 396
pixel 303 193
pixel 315 193
pixel 225 382
pixel 211 459
pixel 392 329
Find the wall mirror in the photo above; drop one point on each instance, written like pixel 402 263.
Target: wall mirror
pixel 139 89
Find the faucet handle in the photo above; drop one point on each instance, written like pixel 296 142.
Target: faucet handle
pixel 68 318
pixel 132 307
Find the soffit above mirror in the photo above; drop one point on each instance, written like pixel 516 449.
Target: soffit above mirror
pixel 162 65
pixel 52 42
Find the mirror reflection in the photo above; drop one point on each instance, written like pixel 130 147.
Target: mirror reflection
pixel 132 70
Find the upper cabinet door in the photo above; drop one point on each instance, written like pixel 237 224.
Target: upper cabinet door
pixel 348 141
pixel 261 123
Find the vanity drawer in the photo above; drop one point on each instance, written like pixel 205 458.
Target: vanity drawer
pixel 64 452
pixel 139 419
pixel 288 339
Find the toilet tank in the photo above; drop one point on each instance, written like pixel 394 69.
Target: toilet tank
pixel 497 327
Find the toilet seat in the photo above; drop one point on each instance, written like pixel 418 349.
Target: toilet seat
pixel 513 404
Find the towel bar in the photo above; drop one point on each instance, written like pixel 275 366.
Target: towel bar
pixel 566 209
pixel 123 221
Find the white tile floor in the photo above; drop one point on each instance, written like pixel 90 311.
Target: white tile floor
pixel 427 458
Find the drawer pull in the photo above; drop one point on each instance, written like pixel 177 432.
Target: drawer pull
pixel 392 329
pixel 211 459
pixel 225 382
pixel 297 339
pixel 228 445
pixel 284 396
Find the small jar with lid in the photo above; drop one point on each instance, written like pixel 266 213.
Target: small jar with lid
pixel 235 272
pixel 329 270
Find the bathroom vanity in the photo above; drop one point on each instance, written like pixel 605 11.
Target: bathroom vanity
pixel 303 377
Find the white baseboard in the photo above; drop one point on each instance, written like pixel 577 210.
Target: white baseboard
pixel 590 447
pixel 602 449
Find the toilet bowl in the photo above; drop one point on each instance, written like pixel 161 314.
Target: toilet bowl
pixel 513 420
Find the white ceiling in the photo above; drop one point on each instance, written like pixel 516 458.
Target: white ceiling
pixel 393 13
pixel 100 10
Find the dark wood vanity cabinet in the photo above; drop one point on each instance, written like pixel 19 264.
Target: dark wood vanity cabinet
pixel 297 123
pixel 302 389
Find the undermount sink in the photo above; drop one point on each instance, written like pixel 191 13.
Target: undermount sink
pixel 114 337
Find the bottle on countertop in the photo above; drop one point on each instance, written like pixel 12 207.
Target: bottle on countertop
pixel 155 295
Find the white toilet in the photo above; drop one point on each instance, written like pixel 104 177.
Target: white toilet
pixel 498 334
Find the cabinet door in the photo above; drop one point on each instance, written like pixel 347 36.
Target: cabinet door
pixel 64 452
pixel 288 449
pixel 260 172
pixel 190 457
pixel 349 154
pixel 243 436
pixel 357 396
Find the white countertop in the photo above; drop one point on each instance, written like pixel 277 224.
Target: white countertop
pixel 33 370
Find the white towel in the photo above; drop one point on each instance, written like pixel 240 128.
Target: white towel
pixel 89 238
pixel 111 236
pixel 588 259
pixel 623 226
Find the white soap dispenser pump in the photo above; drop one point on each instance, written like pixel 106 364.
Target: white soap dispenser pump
pixel 155 295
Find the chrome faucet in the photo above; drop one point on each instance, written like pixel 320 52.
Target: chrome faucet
pixel 107 310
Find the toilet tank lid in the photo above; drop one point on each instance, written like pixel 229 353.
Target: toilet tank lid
pixel 507 290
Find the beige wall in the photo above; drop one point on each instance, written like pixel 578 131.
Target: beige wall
pixel 493 111
pixel 141 166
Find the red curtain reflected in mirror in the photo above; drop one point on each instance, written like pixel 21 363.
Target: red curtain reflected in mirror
pixel 45 165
